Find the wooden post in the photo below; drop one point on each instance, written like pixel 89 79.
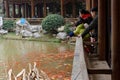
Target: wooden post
pixel 108 41
pixel 19 10
pixel 88 4
pixel 32 9
pixel 115 39
pixel 14 13
pixel 94 3
pixel 7 9
pixel 38 10
pixel 27 10
pixel 102 21
pixel 73 9
pixel 45 8
pixel 62 7
pixel 23 6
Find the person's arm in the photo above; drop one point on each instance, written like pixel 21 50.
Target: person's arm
pixel 92 25
pixel 79 22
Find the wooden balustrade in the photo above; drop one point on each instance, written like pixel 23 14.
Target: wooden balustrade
pixel 39 20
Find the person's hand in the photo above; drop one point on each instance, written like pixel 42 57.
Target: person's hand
pixel 68 37
pixel 86 25
pixel 92 39
pixel 79 35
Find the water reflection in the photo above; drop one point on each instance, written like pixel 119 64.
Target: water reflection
pixel 53 58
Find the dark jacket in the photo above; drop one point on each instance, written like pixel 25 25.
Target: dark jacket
pixel 93 26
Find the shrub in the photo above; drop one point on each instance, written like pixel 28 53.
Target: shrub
pixel 8 25
pixel 52 22
pixel 67 28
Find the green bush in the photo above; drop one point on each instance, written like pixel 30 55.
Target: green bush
pixel 67 28
pixel 9 25
pixel 52 22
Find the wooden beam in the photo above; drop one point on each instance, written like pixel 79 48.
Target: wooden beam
pixel 102 23
pixel 115 39
pixel 91 43
pixel 99 71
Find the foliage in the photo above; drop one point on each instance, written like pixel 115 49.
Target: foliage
pixel 8 25
pixel 52 22
pixel 67 28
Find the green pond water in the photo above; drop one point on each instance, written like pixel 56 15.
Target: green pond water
pixel 53 58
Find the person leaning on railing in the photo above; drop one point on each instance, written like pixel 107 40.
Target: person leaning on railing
pixel 92 29
pixel 93 25
pixel 85 18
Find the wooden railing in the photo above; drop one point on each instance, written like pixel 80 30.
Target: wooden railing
pixel 39 20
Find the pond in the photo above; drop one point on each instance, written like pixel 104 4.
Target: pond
pixel 55 59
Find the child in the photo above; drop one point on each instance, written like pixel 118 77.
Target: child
pixel 85 17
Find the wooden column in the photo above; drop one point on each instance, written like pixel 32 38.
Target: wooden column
pixel 19 10
pixel 115 39
pixel 3 7
pixel 29 11
pixel 45 8
pixel 39 10
pixel 62 7
pixel 26 10
pixel 32 8
pixel 14 13
pixel 94 3
pixel 102 23
pixel 73 9
pixel 108 55
pixel 23 7
pixel 7 9
pixel 88 4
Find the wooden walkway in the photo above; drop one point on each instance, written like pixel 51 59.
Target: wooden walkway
pixel 98 70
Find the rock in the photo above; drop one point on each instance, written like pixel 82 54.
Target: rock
pixel 36 35
pixel 36 28
pixel 61 35
pixel 2 31
pixel 61 29
pixel 26 33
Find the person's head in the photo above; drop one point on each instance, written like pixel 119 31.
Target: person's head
pixel 82 12
pixel 94 11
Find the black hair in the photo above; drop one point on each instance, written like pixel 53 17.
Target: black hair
pixel 94 9
pixel 83 11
